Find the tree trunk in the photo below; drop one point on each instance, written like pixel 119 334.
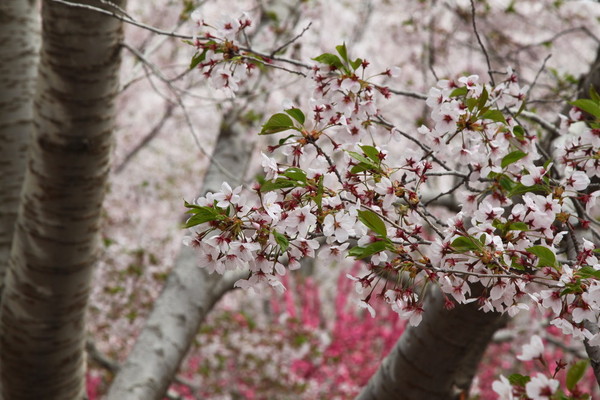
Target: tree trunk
pixel 55 242
pixel 437 359
pixel 19 37
pixel 188 296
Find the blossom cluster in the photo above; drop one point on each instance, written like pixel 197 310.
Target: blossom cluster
pixel 544 385
pixel 218 53
pixel 339 182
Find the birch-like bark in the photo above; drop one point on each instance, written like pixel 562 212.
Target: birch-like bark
pixel 55 242
pixel 437 359
pixel 19 37
pixel 188 296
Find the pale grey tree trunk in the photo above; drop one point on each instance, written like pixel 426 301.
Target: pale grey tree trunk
pixel 19 38
pixel 437 359
pixel 55 241
pixel 188 296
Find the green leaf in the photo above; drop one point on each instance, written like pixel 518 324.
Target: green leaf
pixel 202 215
pixel 342 51
pixel 320 190
pixel 512 158
pixel 198 58
pixel 506 182
pixel 494 115
pixel 594 94
pixel 369 250
pixel 282 141
pixel 589 106
pixel 471 103
pixel 279 183
pixel 517 226
pixel 588 272
pixel 518 380
pixel 356 63
pixel 277 123
pixel 329 59
pixel 296 114
pixel 281 240
pixel 461 91
pixel 360 167
pixel 482 238
pixel 373 222
pixel 191 206
pixel 371 152
pixel 363 159
pixel 519 132
pixel 482 99
pixel 575 373
pixel 522 189
pixel 462 244
pixel 295 174
pixel 545 255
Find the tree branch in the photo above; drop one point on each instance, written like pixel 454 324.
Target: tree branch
pixel 438 358
pixel 189 294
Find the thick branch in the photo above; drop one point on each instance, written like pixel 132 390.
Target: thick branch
pixel 188 296
pixel 19 38
pixel 56 232
pixel 438 358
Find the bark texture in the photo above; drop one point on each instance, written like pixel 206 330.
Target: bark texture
pixel 188 296
pixel 55 241
pixel 19 37
pixel 437 359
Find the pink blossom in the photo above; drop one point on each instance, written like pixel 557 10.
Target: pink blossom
pixel 541 387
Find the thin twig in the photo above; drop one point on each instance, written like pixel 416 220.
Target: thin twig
pixel 270 65
pixel 425 148
pixel 407 93
pixel 144 142
pixel 452 190
pixel 124 19
pixel 537 75
pixel 485 53
pixel 292 40
pixel 187 118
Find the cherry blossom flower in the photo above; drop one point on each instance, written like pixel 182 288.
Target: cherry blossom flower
pixel 576 181
pixel 503 389
pixel 227 196
pixel 367 306
pixel 541 387
pixel 300 220
pixel 270 166
pixel 532 350
pixel 228 27
pixel 339 226
pixel 271 207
